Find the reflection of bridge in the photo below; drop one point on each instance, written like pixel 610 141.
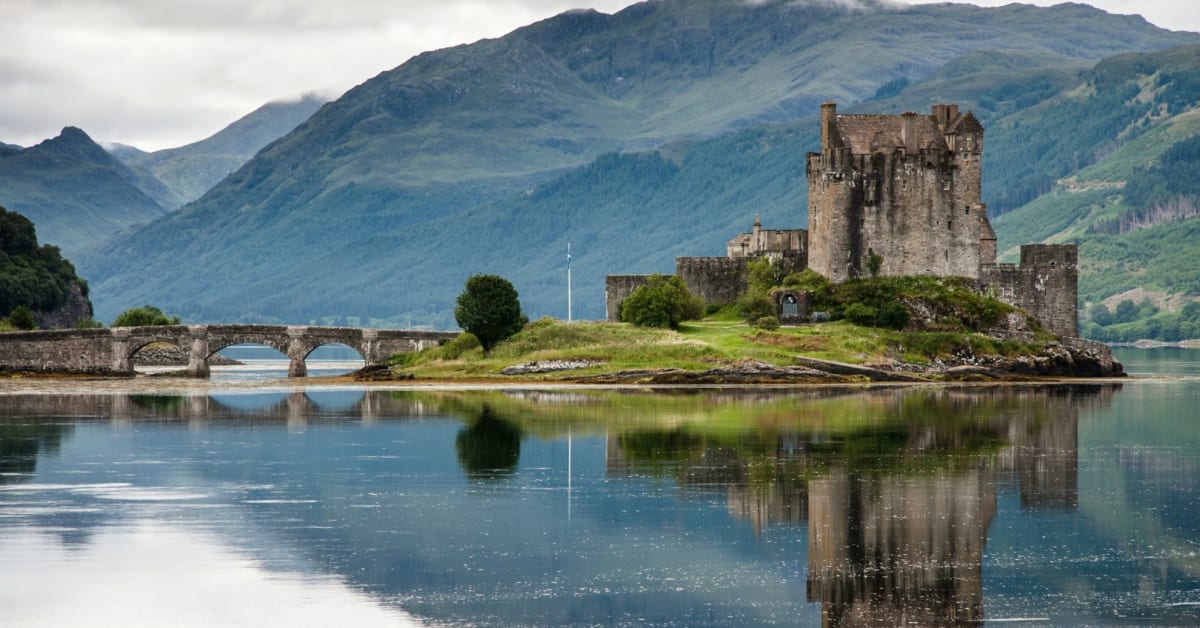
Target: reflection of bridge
pixel 111 351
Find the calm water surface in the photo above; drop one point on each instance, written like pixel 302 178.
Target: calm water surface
pixel 1013 505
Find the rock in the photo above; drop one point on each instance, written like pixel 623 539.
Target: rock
pixel 74 310
pixel 548 366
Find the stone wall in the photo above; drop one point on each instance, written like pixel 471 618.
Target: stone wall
pixel 713 279
pixel 75 351
pixel 616 289
pixel 1045 284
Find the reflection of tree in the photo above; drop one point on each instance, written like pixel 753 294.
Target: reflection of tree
pixel 490 447
pixel 21 444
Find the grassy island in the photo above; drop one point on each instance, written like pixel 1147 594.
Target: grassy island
pixel 717 350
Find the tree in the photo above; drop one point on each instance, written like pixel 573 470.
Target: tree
pixel 490 309
pixel 661 302
pixel 144 316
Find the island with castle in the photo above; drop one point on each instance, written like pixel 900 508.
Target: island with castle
pixel 905 190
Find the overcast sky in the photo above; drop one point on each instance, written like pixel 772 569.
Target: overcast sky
pixel 162 73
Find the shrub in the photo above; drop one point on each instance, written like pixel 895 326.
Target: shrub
pixel 755 305
pixel 769 323
pixel 489 308
pixel 22 318
pixel 861 314
pixel 893 315
pixel 661 302
pixel 463 343
pixel 144 316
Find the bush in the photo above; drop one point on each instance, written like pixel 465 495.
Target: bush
pixel 893 316
pixel 489 308
pixel 755 305
pixel 22 318
pixel 662 302
pixel 144 316
pixel 861 314
pixel 768 323
pixel 463 343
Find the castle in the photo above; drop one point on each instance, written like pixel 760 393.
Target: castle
pixel 904 190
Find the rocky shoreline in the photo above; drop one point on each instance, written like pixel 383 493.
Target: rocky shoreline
pixel 1071 358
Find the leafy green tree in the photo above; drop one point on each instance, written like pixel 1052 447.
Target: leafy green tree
pixel 762 275
pixel 490 309
pixel 662 302
pixel 22 318
pixel 144 316
pixel 1100 315
pixel 1127 312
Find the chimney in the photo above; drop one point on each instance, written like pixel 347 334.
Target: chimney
pixel 828 125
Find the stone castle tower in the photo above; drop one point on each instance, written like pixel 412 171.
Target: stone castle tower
pixel 905 188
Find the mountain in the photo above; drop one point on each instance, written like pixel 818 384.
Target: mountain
pixel 75 192
pixel 492 156
pixel 190 171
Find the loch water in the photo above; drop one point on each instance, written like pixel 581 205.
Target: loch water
pixel 280 505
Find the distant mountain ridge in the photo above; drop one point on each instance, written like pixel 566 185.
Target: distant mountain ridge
pixel 79 193
pixel 381 203
pixel 191 170
pixel 75 192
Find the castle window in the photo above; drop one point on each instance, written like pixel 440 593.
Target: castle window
pixel 967 211
pixel 946 185
pixel 949 225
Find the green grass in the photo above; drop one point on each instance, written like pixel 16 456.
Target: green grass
pixel 696 346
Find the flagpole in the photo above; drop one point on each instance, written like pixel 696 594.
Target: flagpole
pixel 568 282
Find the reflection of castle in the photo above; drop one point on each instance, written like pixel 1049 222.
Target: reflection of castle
pixel 899 550
pixel 890 545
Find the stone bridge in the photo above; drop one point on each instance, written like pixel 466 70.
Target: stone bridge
pixel 111 351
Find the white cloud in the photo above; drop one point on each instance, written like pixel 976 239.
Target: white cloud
pixel 161 73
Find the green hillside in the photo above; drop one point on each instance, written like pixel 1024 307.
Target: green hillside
pixel 75 192
pixel 493 156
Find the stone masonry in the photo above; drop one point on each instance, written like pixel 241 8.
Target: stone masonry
pixel 111 351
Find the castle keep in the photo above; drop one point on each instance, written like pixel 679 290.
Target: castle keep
pixel 904 190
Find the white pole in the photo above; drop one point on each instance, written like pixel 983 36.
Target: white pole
pixel 568 282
